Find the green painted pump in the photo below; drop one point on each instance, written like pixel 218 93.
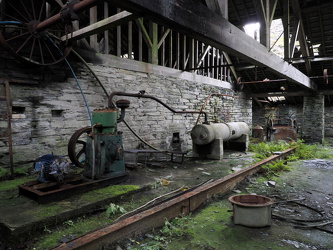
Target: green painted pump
pixel 103 148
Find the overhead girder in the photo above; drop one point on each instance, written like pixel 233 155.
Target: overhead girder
pixel 212 29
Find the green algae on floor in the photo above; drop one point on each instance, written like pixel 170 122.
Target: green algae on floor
pixel 56 208
pixel 69 230
pixel 108 192
pixel 12 184
pixel 76 227
pixel 210 228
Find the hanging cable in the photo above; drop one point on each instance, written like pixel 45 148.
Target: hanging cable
pixel 92 72
pixel 83 95
pixel 77 82
pixel 106 93
pixel 10 22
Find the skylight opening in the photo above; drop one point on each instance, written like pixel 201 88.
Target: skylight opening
pixel 252 30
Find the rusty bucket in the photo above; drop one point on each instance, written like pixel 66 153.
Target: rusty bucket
pixel 252 210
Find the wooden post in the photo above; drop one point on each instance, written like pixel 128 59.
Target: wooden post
pixel 153 50
pixel 106 33
pixel 119 37
pixel 93 19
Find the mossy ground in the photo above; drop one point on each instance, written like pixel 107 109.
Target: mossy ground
pixel 76 227
pixel 212 226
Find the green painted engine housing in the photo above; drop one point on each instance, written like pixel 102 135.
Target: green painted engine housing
pixel 109 156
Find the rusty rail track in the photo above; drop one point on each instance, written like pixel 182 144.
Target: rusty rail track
pixel 155 216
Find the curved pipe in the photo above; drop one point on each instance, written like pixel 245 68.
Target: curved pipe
pixel 142 95
pixel 207 99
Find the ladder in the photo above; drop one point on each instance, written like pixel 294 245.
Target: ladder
pixel 7 116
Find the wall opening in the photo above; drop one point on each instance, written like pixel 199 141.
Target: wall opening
pixel 57 113
pixel 18 110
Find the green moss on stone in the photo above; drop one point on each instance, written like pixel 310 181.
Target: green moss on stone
pixel 108 192
pixel 12 184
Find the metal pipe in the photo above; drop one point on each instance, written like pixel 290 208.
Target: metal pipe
pixel 207 99
pixel 142 95
pixel 265 81
pixel 77 8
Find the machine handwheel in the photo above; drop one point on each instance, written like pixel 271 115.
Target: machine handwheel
pixel 77 146
pixel 17 34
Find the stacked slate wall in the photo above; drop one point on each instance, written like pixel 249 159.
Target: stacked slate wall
pixel 261 115
pixel 46 115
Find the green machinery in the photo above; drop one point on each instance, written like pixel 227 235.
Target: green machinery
pixel 99 149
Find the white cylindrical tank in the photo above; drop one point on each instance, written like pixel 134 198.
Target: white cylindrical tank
pixel 203 134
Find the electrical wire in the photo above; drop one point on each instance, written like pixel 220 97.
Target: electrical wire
pixel 77 82
pixel 10 22
pixel 106 93
pixel 82 93
pixel 92 72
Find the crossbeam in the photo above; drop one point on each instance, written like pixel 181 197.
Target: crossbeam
pixel 98 27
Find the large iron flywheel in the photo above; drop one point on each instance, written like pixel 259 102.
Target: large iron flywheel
pixel 77 146
pixel 19 33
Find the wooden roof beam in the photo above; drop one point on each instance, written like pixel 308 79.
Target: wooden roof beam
pixel 202 24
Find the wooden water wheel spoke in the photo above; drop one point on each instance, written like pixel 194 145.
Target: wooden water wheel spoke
pixel 20 36
pixel 22 46
pixel 19 12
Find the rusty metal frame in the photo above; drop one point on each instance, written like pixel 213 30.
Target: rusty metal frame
pixel 156 216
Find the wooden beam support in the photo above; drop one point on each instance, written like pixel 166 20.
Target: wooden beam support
pixel 286 29
pixel 210 28
pixel 301 36
pixel 153 50
pixel 108 23
pixel 93 19
pixel 218 6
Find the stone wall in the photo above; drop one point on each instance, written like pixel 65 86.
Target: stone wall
pixel 329 122
pixel 314 118
pixel 262 114
pixel 46 115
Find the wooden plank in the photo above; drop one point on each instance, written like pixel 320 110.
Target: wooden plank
pixel 97 27
pixel 211 28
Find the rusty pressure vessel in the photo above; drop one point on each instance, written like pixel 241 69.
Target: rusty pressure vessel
pixel 205 133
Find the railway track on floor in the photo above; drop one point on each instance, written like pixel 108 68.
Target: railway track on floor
pixel 155 217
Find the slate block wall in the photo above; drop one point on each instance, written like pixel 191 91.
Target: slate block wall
pixel 46 115
pixel 262 114
pixel 314 118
